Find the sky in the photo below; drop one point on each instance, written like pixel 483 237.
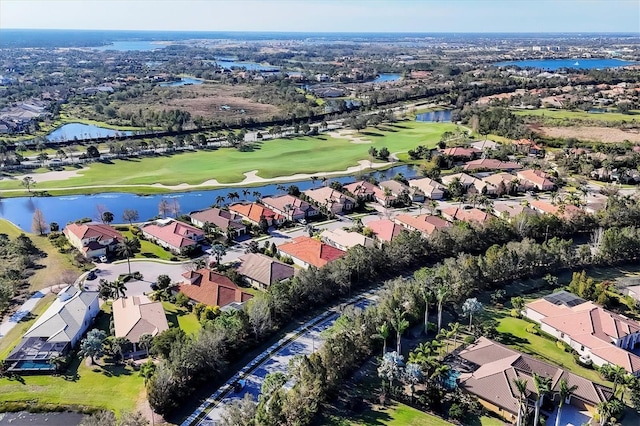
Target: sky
pixel 326 15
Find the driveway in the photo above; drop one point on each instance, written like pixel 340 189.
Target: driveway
pixel 149 270
pixel 274 359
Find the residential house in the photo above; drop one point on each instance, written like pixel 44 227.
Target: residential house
pixel 424 223
pixel 509 211
pixel 137 315
pixel 292 208
pixel 262 271
pixel 367 191
pixel 485 145
pixel 460 153
pixel 528 147
pixel 384 229
pixel 465 180
pixel 490 164
pixel 92 239
pixel 222 219
pixel 56 331
pixel 539 179
pixel 506 183
pixel 598 335
pixel 560 210
pixel 465 215
pixel 335 201
pixel 430 188
pixel 254 212
pixel 344 240
pixel 211 288
pixel 307 252
pixel 489 370
pixel 171 234
pixel 397 188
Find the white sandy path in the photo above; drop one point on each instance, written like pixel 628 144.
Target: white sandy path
pixel 250 178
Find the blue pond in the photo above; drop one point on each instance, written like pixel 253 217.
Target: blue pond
pixel 555 64
pixel 124 46
pixel 387 77
pixel 434 116
pixel 182 82
pixel 83 131
pixel 66 209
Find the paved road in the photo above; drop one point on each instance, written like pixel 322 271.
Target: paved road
pixel 274 359
pixel 26 308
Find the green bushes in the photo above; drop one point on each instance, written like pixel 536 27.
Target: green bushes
pixel 533 329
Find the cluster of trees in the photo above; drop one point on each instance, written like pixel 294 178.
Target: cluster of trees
pixel 17 259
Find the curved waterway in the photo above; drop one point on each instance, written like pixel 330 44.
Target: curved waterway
pixel 70 208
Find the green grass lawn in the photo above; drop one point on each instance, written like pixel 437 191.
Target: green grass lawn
pixel 513 333
pixel 276 158
pixel 180 317
pixel 12 338
pixel 149 250
pixel 580 115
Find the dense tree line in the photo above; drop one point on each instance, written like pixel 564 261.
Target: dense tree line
pixel 17 259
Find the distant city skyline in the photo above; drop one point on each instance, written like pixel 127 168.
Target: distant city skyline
pixel 326 16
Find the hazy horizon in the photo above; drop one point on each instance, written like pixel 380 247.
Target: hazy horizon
pixel 328 16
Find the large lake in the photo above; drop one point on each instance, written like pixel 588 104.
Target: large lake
pixel 81 131
pixel 555 64
pixel 124 46
pixel 66 209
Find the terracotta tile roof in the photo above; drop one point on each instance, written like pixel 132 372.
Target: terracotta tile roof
pixel 311 251
pixel 362 188
pixel 264 269
pixel 299 207
pixel 137 315
pixel 211 288
pixel 218 217
pixel 254 211
pixel 537 177
pixel 173 232
pixel 491 164
pixel 466 215
pixel 511 210
pixel 93 230
pixel 321 195
pixel 460 151
pixel 494 368
pixel 546 207
pixel 593 327
pixel 385 229
pixel 424 223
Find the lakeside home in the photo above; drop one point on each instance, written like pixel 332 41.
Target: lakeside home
pixel 254 212
pixel 222 219
pixel 173 235
pixel 292 208
pixel 335 201
pixel 92 239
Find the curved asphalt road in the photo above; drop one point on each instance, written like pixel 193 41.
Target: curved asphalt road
pixel 302 341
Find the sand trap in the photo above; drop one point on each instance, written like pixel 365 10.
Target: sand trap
pixel 350 135
pixel 49 176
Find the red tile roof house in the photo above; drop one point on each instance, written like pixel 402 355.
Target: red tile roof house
pixel 173 235
pixel 528 147
pixel 397 188
pixel 307 252
pixel 92 239
pixel 369 192
pixel 507 180
pixel 541 180
pixel 253 212
pixel 491 164
pixel 465 215
pixel 462 153
pixel 426 224
pixel 595 333
pixel 564 210
pixel 292 208
pixel 465 180
pixel 488 370
pixel 222 219
pixel 384 229
pixel 335 200
pixel 262 271
pixel 430 188
pixel 211 288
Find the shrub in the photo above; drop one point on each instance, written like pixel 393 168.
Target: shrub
pixel 515 313
pixel 533 329
pixel 469 339
pixel 122 228
pixel 182 300
pixel 456 411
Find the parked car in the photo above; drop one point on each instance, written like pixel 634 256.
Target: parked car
pixel 104 259
pixel 91 275
pixel 239 385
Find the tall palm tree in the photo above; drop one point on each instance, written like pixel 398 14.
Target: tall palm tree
pixel 232 196
pixel 119 288
pixel 314 179
pixel 400 324
pixel 220 200
pixel 257 195
pixel 246 193
pixel 543 387
pixel 127 248
pixel 565 392
pixel 521 387
pixel 427 294
pixel 618 374
pixel 441 294
pixel 383 333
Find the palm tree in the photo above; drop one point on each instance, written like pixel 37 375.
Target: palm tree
pixel 145 341
pixel 433 207
pixel 554 196
pixel 521 387
pixel 119 288
pixel 314 179
pixel 441 294
pixel 427 294
pixel 233 196
pixel 218 250
pixel 565 392
pixel 257 195
pixel 220 200
pixel 543 387
pixel 383 333
pixel 454 331
pixel 246 193
pixel 400 324
pixel 281 187
pixel 127 247
pixel 618 373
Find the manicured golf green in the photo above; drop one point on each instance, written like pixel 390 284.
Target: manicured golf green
pixel 580 115
pixel 282 157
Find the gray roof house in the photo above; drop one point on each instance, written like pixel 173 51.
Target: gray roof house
pixel 57 330
pixel 261 271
